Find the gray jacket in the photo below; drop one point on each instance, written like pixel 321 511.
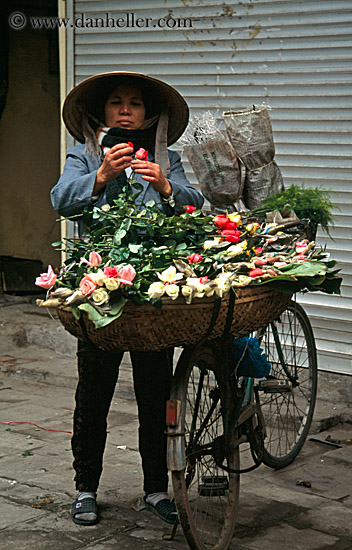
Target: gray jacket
pixel 73 191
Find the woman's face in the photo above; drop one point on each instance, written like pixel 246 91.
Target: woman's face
pixel 125 108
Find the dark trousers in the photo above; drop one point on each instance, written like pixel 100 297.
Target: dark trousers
pixel 98 374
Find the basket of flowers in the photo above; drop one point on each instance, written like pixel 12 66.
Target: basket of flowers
pixel 140 280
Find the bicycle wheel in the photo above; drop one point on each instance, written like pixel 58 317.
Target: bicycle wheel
pixel 288 402
pixel 206 495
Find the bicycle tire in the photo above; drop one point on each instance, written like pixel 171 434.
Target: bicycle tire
pixel 206 497
pixel 288 411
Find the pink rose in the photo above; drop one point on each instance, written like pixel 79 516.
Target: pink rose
pixel 190 208
pixel 111 271
pixel 141 154
pixel 46 280
pixel 194 258
pixel 127 274
pixel 94 259
pixel 87 286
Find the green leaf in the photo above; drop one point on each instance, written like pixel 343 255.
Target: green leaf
pixel 119 235
pixel 181 246
pixel 135 248
pixel 304 269
pixel 150 203
pixel 93 314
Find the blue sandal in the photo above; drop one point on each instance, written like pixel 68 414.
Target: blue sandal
pixel 165 509
pixel 86 505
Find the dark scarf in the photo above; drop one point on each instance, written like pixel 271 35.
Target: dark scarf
pixel 139 138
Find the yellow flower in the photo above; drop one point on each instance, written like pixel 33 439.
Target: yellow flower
pixel 156 290
pixel 100 296
pixel 252 228
pixel 111 283
pixel 170 275
pixel 172 291
pixel 235 217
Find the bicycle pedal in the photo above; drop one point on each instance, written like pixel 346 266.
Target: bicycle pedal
pixel 274 386
pixel 213 486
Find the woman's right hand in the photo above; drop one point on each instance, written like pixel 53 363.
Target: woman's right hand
pixel 115 160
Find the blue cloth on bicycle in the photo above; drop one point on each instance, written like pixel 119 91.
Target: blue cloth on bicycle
pixel 251 358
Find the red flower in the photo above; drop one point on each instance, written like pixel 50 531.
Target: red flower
pixel 230 238
pixel 258 250
pixel 235 232
pixel 111 271
pixel 257 272
pixel 46 280
pixel 190 208
pixel 194 258
pixel 87 286
pixel 231 225
pixel 141 154
pixel 130 144
pixel 222 222
pixel 260 261
pixel 204 280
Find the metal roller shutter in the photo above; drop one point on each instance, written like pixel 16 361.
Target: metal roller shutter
pixel 296 57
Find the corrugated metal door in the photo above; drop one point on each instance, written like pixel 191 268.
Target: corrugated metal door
pixel 293 55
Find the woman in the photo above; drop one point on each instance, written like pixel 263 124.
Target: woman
pixel 110 113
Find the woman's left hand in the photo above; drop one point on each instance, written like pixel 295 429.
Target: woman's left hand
pixel 152 172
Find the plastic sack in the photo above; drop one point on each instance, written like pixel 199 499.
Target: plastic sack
pixel 250 133
pixel 252 360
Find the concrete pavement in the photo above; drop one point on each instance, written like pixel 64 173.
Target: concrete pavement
pixel 37 377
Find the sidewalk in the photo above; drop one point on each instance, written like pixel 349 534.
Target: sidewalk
pixel 37 380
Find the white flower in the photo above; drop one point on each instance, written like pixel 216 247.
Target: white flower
pixel 197 286
pixel 172 291
pixel 243 280
pixel 156 290
pixel 105 207
pixel 100 296
pixel 211 243
pixel 223 283
pixel 170 275
pixel 209 290
pixel 236 249
pixel 98 278
pixel 188 292
pixel 111 283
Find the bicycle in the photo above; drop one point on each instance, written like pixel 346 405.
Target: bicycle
pixel 212 412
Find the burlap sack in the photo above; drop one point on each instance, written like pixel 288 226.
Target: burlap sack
pixel 250 133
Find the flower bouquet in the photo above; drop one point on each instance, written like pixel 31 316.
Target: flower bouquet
pixel 131 256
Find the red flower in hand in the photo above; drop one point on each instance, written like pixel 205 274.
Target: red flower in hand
pixel 190 208
pixel 141 154
pixel 130 144
pixel 194 258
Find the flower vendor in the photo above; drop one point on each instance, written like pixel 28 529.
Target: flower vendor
pixel 124 122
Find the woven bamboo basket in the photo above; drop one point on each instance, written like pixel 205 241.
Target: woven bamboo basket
pixel 177 324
